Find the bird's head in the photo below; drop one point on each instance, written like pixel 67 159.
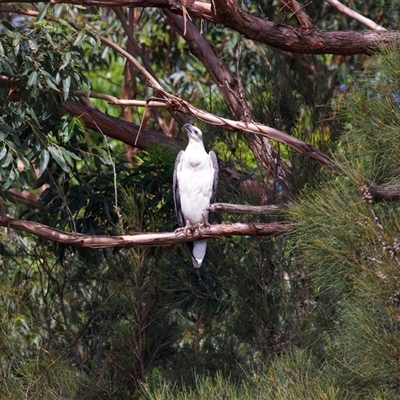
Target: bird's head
pixel 193 133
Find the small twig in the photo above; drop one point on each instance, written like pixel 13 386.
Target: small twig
pixel 141 125
pixel 116 207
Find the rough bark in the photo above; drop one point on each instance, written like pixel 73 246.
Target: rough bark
pixel 298 40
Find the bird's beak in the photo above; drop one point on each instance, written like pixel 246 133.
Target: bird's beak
pixel 187 127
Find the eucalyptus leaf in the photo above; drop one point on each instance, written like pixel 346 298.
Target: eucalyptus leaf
pixel 43 12
pixel 9 180
pixel 5 130
pixel 3 152
pixel 22 181
pixel 49 81
pixel 32 79
pixel 79 39
pixel 7 161
pixel 7 25
pixel 58 158
pixel 67 60
pixel 66 87
pixel 44 159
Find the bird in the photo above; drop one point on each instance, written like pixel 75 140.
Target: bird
pixel 194 186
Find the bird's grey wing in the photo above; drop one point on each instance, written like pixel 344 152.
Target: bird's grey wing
pixel 213 199
pixel 214 163
pixel 177 197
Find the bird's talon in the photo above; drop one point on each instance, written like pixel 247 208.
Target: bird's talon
pixel 189 227
pixel 205 222
pixel 180 230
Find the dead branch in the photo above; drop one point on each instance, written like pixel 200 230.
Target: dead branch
pixel 179 105
pixel 298 40
pixel 246 209
pixel 212 119
pixel 355 15
pixel 79 240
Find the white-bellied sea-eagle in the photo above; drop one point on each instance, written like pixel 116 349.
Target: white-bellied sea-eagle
pixel 195 186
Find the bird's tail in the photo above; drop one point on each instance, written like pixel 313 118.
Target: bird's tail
pixel 198 251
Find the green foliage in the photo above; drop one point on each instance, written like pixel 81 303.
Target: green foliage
pixel 349 244
pixel 308 316
pixel 348 247
pixel 373 120
pixel 294 376
pixel 42 64
pixel 288 97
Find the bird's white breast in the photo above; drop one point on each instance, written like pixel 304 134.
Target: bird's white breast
pixel 195 176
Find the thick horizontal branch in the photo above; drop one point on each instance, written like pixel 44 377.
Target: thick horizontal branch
pixel 119 129
pixel 144 239
pixel 245 209
pixel 284 37
pixel 298 40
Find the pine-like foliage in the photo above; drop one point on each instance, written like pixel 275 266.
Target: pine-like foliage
pixel 307 316
pixel 350 244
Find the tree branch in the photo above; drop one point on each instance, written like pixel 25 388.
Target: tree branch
pixel 119 129
pixel 186 108
pixel 297 40
pixel 117 101
pixel 355 15
pixel 144 239
pixel 176 104
pixel 24 197
pixel 246 209
pixel 308 41
pixel 229 85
